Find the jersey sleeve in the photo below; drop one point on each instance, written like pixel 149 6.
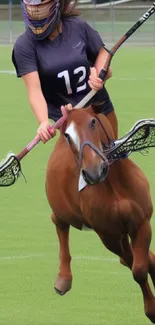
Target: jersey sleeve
pixel 24 57
pixel 93 42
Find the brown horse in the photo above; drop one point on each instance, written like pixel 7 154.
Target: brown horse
pixel 115 202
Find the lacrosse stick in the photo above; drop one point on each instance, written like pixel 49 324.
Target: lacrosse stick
pixel 110 53
pixel 10 168
pixel 140 138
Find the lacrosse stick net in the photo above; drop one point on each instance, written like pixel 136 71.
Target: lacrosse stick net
pixel 140 138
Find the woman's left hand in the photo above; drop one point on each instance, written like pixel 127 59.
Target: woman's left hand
pixel 94 81
pixel 68 107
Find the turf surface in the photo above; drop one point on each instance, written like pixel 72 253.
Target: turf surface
pixel 103 291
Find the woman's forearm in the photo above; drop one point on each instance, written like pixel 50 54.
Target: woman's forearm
pixel 38 105
pixel 100 62
pixel 35 96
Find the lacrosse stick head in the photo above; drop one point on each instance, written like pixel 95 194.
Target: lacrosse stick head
pixel 10 170
pixel 140 138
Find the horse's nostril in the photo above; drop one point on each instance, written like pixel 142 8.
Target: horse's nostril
pixel 83 172
pixel 86 176
pixel 104 167
pixel 104 170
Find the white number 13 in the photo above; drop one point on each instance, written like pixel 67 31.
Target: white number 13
pixel 64 74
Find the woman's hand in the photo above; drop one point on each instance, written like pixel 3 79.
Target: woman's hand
pixel 68 107
pixel 94 81
pixel 45 131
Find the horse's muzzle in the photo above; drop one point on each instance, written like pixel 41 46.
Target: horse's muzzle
pixel 97 174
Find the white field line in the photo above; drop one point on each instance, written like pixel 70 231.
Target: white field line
pixel 31 256
pixel 12 72
pixel 7 72
pixel 18 257
pixel 134 78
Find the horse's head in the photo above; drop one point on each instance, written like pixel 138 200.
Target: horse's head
pixel 82 132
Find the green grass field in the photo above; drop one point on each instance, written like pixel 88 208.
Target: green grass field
pixel 103 292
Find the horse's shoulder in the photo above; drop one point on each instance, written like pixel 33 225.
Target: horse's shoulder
pixel 134 171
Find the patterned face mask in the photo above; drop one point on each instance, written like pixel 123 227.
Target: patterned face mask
pixel 41 16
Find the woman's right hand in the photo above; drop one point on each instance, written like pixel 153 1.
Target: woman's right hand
pixel 45 131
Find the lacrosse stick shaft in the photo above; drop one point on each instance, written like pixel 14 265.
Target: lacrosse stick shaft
pixel 103 72
pixel 36 140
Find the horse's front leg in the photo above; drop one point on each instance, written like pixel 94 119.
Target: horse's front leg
pixel 152 266
pixel 127 257
pixel 64 279
pixel 140 249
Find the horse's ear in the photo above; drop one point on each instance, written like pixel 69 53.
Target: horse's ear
pixel 90 109
pixel 96 108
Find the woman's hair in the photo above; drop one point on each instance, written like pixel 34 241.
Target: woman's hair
pixel 68 8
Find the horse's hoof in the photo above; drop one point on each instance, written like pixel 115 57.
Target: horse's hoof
pixel 62 285
pixel 61 293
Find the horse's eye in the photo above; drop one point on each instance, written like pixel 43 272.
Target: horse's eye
pixel 93 122
pixel 67 137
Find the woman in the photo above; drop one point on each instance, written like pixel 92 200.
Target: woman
pixel 55 57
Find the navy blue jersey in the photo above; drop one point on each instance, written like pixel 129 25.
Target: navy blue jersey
pixel 63 64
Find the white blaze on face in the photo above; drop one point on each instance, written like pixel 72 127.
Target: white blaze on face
pixel 72 132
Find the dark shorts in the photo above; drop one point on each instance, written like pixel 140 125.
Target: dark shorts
pixel 102 102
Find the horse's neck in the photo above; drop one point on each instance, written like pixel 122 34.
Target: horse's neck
pixel 106 131
pixel 118 176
